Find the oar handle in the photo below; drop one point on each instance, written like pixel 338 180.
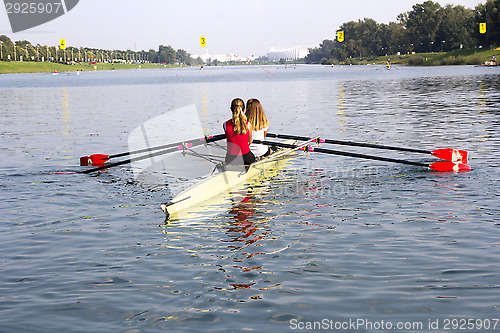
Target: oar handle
pixel 348 143
pixel 343 153
pixel 215 138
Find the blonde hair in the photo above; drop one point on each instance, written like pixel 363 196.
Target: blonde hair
pixel 239 119
pixel 255 115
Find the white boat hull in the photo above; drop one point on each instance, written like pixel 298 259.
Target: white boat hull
pixel 228 181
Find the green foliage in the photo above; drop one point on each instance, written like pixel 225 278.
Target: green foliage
pixel 422 25
pixel 428 27
pixel 183 57
pixel 489 13
pixel 40 67
pixel 455 29
pixel 166 54
pixel 29 52
pixel 325 51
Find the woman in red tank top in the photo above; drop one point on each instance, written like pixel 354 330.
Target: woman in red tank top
pixel 238 135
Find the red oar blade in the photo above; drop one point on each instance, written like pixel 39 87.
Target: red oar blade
pixel 453 155
pixel 94 159
pixel 450 167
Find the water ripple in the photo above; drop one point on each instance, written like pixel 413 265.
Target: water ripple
pixel 328 237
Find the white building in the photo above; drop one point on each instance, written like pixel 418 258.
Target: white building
pixel 222 57
pixel 290 54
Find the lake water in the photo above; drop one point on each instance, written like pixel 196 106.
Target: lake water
pixel 330 242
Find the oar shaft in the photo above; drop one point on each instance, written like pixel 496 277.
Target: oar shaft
pixel 370 157
pixel 130 160
pixel 179 146
pixel 343 153
pixel 350 143
pixel 170 145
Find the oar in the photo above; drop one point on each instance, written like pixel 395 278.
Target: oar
pixel 99 159
pixel 448 154
pixel 437 166
pixel 181 146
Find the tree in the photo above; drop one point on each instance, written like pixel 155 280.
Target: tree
pixel 183 57
pixel 352 45
pixel 362 38
pixel 488 13
pixel 455 28
pixel 152 56
pixel 393 38
pixel 7 47
pixel 422 24
pixel 166 54
pixel 324 51
pixel 427 27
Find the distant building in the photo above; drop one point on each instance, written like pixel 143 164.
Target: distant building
pixel 223 57
pixel 290 54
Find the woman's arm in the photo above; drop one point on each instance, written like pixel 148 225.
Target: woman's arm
pixel 250 129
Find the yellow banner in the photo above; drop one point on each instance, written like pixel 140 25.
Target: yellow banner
pixel 203 41
pixel 340 36
pixel 62 44
pixel 482 28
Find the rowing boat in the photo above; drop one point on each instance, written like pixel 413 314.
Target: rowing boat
pixel 229 179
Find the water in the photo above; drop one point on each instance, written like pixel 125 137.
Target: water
pixel 329 240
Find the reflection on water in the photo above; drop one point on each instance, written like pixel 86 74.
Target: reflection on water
pixel 245 234
pixel 341 106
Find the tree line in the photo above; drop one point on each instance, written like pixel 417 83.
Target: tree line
pixel 428 27
pixel 24 50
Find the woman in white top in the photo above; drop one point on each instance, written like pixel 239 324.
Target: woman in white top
pixel 256 117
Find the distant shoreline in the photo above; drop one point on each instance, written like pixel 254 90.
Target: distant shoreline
pixel 456 57
pixel 18 67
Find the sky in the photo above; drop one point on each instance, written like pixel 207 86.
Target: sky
pixel 245 28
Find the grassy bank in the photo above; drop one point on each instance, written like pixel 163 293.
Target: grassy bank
pixel 8 67
pixel 455 57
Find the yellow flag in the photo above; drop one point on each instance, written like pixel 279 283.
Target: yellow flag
pixel 62 44
pixel 203 41
pixel 340 36
pixel 482 28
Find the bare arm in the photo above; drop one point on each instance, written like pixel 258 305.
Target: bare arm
pixel 250 129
